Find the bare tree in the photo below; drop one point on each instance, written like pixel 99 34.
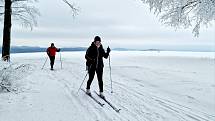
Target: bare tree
pixel 184 13
pixel 23 11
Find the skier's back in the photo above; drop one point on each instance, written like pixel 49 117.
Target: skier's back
pixel 51 52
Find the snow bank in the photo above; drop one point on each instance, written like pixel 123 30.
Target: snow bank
pixel 11 73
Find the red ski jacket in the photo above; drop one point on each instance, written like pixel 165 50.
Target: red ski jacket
pixel 51 51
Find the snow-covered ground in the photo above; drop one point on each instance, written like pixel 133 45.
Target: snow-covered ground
pixel 147 86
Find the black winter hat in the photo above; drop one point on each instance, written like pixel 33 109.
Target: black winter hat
pixel 97 38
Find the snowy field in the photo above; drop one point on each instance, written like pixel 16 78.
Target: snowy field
pixel 147 86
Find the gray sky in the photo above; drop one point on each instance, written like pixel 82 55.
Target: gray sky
pixel 120 23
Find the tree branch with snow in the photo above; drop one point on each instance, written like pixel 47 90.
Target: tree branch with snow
pixel 184 13
pixel 75 10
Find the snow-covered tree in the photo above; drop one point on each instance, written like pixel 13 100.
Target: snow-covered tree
pixel 23 11
pixel 184 13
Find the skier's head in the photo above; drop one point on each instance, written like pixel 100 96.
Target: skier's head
pixel 97 38
pixel 52 44
pixel 97 41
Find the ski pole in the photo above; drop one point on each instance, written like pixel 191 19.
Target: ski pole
pixel 82 82
pixel 110 76
pixel 61 61
pixel 84 79
pixel 45 63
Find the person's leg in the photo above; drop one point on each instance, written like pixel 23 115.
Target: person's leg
pixel 99 72
pixel 50 61
pixel 91 71
pixel 52 58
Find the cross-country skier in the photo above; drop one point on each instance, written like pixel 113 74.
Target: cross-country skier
pixel 51 51
pixel 94 57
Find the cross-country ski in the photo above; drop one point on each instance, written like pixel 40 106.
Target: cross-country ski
pixel 90 95
pixel 108 102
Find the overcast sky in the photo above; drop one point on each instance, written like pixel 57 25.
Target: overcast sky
pixel 120 23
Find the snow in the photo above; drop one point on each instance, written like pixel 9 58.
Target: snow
pixel 147 86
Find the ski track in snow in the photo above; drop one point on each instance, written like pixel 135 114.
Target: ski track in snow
pixel 137 98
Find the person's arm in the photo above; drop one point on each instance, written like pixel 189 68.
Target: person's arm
pixel 106 54
pixel 47 51
pixel 88 56
pixel 58 49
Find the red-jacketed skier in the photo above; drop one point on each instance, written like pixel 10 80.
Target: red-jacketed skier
pixel 51 51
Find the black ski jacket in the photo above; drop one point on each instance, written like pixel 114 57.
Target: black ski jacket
pixel 94 56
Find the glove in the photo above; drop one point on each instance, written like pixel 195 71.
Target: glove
pixel 58 50
pixel 108 50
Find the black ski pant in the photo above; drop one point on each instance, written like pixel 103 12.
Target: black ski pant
pixel 52 58
pixel 99 72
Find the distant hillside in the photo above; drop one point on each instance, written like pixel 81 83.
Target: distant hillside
pixel 27 49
